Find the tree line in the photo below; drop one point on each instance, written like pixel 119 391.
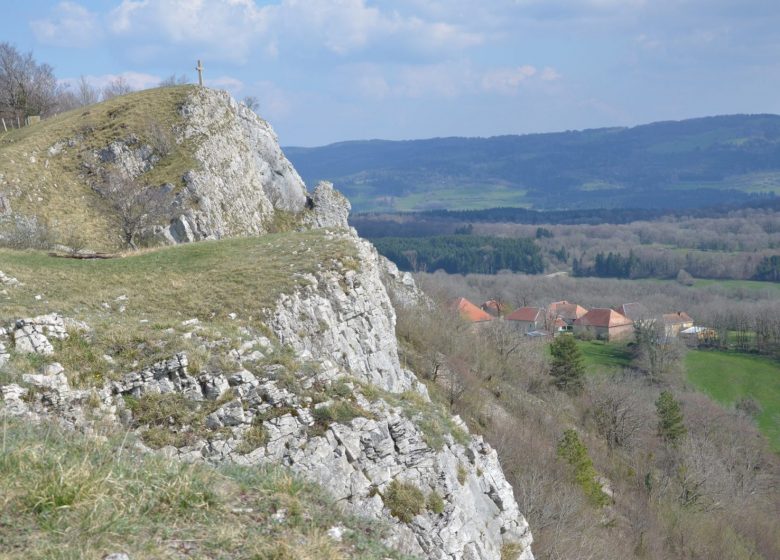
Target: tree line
pixel 462 254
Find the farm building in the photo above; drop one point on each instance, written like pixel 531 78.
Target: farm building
pixel 469 312
pixel 527 319
pixel 676 322
pixel 569 312
pixel 605 324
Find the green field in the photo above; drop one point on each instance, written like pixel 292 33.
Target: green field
pixel 604 357
pixel 727 377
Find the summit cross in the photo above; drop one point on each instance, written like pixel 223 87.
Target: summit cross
pixel 199 68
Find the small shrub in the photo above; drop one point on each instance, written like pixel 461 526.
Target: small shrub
pixel 404 500
pixel 341 412
pixel 462 474
pixel 256 436
pixel 169 418
pixel 435 503
pixel 510 551
pixel 749 406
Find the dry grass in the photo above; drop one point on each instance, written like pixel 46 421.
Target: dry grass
pixel 136 305
pixel 65 496
pixel 53 187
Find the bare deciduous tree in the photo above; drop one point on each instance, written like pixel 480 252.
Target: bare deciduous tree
pixel 136 206
pixel 174 80
pixel 252 103
pixel 617 413
pixel 86 93
pixel 26 87
pixel 116 87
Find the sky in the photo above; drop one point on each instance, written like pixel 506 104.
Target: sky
pixel 324 71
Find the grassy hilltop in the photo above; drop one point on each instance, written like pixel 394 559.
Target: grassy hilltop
pixel 43 171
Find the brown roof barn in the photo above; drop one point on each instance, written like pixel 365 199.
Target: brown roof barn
pixel 675 322
pixel 527 318
pixel 605 324
pixel 567 311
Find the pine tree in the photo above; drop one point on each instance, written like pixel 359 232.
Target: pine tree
pixel 670 418
pixel 567 367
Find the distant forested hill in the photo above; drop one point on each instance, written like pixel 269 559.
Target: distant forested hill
pixel 681 164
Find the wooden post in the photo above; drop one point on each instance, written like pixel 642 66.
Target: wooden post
pixel 18 122
pixel 199 68
pixel 5 128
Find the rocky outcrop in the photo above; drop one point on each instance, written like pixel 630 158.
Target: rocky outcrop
pixel 241 177
pixel 357 460
pixel 346 320
pixel 330 207
pixel 31 336
pixel 401 287
pixel 343 412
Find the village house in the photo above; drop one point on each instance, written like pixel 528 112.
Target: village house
pixel 567 311
pixel 605 324
pixel 635 311
pixel 469 312
pixel 527 319
pixel 676 322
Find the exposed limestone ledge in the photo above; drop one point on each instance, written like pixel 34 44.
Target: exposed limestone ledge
pixel 347 320
pixel 355 460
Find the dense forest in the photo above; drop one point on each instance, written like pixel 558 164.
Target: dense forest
pixel 739 244
pixel 685 164
pixel 438 222
pixel 462 254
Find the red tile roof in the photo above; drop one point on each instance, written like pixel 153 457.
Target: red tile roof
pixel 603 317
pixel 567 310
pixel 470 312
pixel 529 314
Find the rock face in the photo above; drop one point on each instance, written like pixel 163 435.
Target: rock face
pixel 346 321
pixel 331 208
pixel 242 176
pixel 356 460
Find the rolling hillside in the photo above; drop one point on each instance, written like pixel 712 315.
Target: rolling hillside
pixel 684 164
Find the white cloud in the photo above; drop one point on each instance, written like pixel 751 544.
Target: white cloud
pixel 226 27
pixel 442 80
pixel 69 25
pixel 550 74
pixel 234 28
pixel 508 80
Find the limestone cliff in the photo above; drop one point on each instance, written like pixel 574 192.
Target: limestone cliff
pixel 304 371
pixel 240 177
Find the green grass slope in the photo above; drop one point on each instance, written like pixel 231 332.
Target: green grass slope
pixel 729 377
pixel 54 187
